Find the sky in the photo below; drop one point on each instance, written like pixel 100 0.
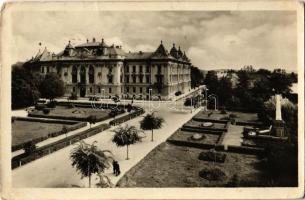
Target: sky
pixel 211 39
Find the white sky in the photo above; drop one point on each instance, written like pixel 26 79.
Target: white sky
pixel 211 39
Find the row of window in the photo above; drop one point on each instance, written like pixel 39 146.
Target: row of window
pixel 134 89
pixel 147 69
pixel 134 79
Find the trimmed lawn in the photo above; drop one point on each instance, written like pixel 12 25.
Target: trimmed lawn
pixel 200 124
pixel 241 116
pixel 186 135
pixel 176 166
pixel 74 112
pixel 23 131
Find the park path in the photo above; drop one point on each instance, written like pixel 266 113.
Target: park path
pixel 233 136
pixel 55 170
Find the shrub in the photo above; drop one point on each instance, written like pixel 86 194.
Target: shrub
pixel 52 104
pixel 29 148
pixel 40 106
pixel 232 115
pixel 178 93
pixel 73 96
pixel 212 155
pixel 234 181
pixel 46 111
pixel 71 105
pixel 214 174
pixel 129 107
pixel 223 111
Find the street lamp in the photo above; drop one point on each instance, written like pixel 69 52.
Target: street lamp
pixel 206 98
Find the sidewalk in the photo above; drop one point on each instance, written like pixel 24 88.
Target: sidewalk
pixel 55 170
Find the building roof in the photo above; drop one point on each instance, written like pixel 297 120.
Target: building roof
pixel 101 51
pixel 138 55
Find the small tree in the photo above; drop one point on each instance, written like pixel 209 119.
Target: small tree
pixel 125 136
pixel 151 122
pixel 29 148
pixel 92 119
pixel 88 159
pixel 65 130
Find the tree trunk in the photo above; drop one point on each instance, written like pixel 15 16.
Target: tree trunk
pixel 89 174
pixel 152 134
pixel 127 158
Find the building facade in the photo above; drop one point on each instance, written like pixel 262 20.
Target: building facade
pixel 94 68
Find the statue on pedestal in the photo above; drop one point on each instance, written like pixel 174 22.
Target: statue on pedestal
pixel 278 123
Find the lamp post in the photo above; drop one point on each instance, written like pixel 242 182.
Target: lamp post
pixel 150 92
pixel 206 98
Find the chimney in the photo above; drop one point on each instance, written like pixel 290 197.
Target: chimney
pixel 87 40
pixel 93 40
pixel 102 40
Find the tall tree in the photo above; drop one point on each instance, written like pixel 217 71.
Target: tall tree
pixel 24 88
pixel 88 159
pixel 280 81
pixel 52 86
pixel 196 77
pixel 211 81
pixel 224 91
pixel 151 122
pixel 125 136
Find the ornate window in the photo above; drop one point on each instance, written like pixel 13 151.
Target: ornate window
pixel 91 74
pixel 74 74
pixel 83 75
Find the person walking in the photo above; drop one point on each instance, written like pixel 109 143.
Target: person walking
pixel 118 171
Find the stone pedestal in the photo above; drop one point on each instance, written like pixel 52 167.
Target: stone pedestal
pixel 278 128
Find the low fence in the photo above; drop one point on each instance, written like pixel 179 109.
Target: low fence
pixel 50 148
pixel 76 125
pixel 199 119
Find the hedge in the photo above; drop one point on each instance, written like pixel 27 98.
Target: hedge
pixel 49 148
pixel 122 119
pixel 246 150
pixel 203 130
pixel 210 120
pixel 191 144
pixel 83 119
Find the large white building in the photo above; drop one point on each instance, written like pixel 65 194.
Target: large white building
pixel 94 68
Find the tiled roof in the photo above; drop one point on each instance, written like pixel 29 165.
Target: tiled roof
pixel 138 55
pixel 100 51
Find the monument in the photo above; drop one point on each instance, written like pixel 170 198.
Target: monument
pixel 278 123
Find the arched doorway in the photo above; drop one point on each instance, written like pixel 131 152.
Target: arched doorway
pixel 82 91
